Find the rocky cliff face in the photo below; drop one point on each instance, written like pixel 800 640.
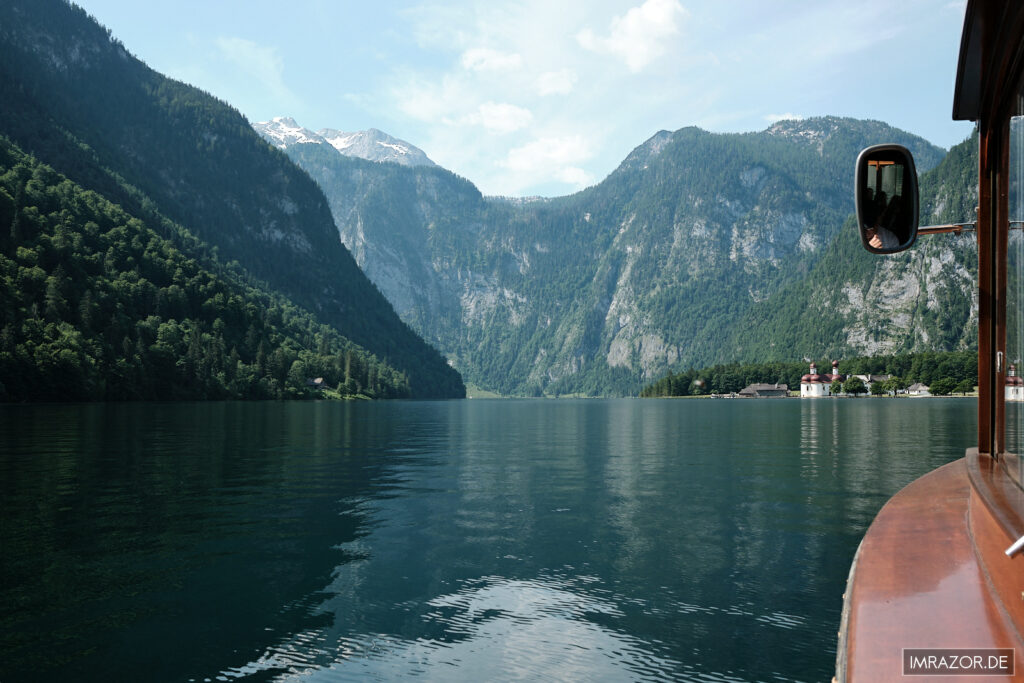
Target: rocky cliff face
pixel 694 251
pixel 853 303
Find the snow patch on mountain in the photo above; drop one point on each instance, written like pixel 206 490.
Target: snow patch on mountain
pixel 375 145
pixel 283 131
pixel 340 141
pixel 399 149
pixel 371 144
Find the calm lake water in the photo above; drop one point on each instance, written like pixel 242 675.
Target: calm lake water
pixel 476 540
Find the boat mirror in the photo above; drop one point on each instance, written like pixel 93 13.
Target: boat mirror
pixel 886 193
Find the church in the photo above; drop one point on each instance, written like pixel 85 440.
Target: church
pixel 1014 385
pixel 813 385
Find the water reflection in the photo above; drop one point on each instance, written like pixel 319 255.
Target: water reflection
pixel 703 540
pixel 493 628
pixel 126 526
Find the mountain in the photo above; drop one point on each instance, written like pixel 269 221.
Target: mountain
pixel 855 303
pixel 671 261
pixel 372 144
pixel 283 131
pixel 172 155
pixel 95 305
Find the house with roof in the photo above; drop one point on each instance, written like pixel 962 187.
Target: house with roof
pixel 918 389
pixel 765 391
pixel 871 379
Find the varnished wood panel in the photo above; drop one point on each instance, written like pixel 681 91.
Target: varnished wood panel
pixel 918 582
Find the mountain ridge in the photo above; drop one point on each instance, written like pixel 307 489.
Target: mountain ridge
pixel 602 290
pixel 698 248
pixel 127 315
pixel 371 144
pixel 76 99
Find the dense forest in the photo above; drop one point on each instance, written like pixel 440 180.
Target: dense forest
pixel 192 169
pixel 95 305
pixel 946 371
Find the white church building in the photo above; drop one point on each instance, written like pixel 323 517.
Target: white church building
pixel 1014 385
pixel 813 385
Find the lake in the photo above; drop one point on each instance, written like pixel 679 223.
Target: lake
pixel 704 540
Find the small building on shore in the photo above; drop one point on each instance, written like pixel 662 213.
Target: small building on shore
pixel 765 391
pixel 813 385
pixel 918 389
pixel 1014 385
pixel 871 379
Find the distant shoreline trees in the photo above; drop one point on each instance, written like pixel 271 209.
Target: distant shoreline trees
pixel 927 367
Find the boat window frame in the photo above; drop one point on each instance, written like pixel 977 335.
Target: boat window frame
pixel 1012 461
pixel 990 73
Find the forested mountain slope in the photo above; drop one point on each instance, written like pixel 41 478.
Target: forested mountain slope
pixel 94 305
pixel 853 303
pixel 666 263
pixel 80 102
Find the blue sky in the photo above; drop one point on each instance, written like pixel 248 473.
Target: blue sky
pixel 543 98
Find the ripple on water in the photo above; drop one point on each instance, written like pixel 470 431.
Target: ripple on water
pixel 496 628
pixel 492 628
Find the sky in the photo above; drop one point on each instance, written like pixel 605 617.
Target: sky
pixel 543 97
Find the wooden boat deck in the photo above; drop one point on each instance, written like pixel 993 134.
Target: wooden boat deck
pixel 918 581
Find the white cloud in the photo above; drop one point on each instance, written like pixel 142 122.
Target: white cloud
pixel 500 117
pixel 775 118
pixel 484 59
pixel 432 102
pixel 572 175
pixel 548 152
pixel 454 103
pixel 556 82
pixel 638 37
pixel 260 62
pixel 544 161
pixel 551 156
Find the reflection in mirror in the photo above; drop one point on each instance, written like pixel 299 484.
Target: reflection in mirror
pixel 886 198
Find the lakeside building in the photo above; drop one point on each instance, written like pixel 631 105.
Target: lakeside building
pixel 765 391
pixel 918 389
pixel 813 385
pixel 1014 385
pixel 871 379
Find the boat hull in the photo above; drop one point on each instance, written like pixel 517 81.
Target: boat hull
pixel 931 573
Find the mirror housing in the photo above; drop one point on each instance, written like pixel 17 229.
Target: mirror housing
pixel 887 201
